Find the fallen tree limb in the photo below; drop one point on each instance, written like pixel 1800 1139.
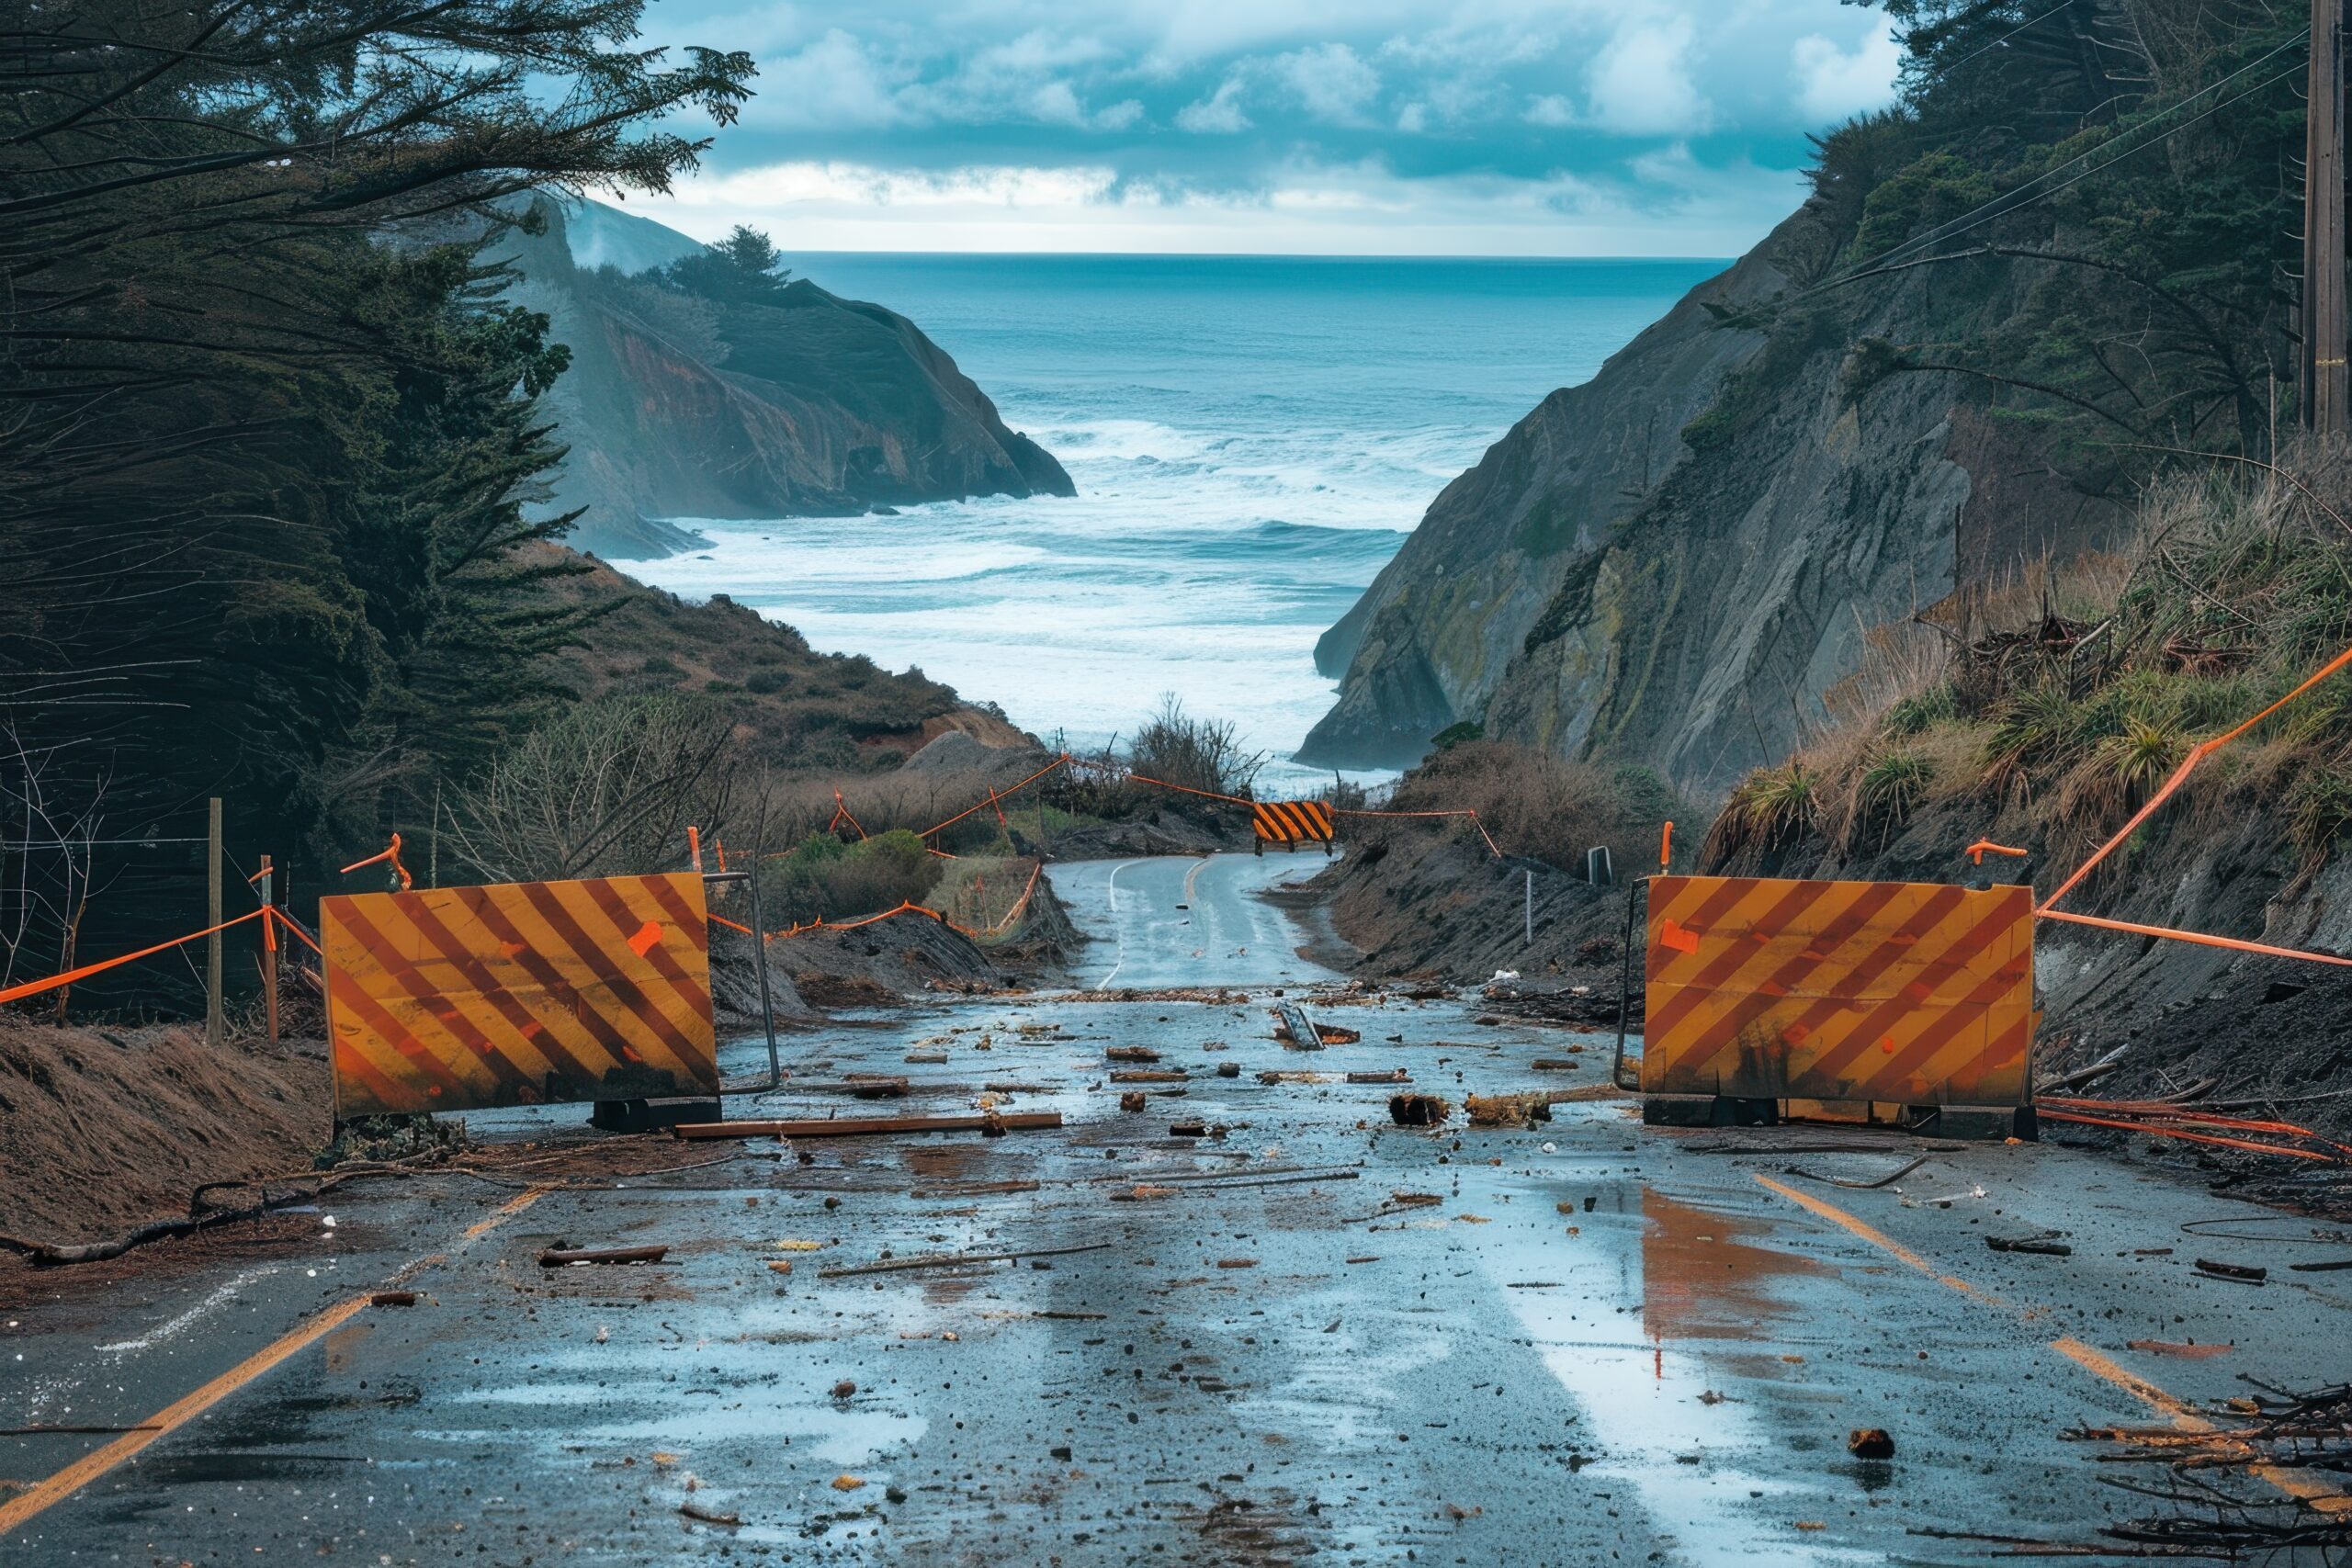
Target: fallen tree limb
pixel 953 1260
pixel 866 1127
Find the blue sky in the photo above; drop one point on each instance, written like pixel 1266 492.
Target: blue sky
pixel 1380 127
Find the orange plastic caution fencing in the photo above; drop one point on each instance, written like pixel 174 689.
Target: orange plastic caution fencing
pixel 1898 993
pixel 519 994
pixel 1291 821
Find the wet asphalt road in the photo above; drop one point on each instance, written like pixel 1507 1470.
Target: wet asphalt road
pixel 1598 1345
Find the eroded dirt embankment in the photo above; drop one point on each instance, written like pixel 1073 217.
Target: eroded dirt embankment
pixel 2265 1034
pixel 105 1128
pixel 101 1128
pixel 1419 905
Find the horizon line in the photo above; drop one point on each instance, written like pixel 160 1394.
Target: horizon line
pixel 1264 255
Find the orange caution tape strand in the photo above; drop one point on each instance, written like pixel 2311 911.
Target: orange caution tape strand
pixel 730 925
pixel 288 921
pixel 391 856
pixel 1188 789
pixel 2165 1111
pixel 2154 1130
pixel 2202 938
pixel 1021 903
pixel 2180 775
pixel 35 987
pixel 996 794
pixel 1464 811
pixel 909 907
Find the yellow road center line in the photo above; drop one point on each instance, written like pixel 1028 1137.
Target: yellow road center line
pixel 90 1466
pixel 1878 1238
pixel 2301 1484
pixel 45 1494
pixel 1197 867
pixel 2298 1483
pixel 504 1212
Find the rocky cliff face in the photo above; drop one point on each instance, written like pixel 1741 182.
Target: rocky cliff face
pixel 1427 645
pixel 1677 562
pixel 806 404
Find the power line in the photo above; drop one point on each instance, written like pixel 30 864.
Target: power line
pixel 2020 196
pixel 1987 48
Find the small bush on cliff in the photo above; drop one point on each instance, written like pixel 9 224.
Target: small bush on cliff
pixel 824 876
pixel 1177 748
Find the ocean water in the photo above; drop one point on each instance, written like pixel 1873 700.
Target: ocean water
pixel 1252 440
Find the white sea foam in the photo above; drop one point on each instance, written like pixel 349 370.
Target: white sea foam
pixel 1236 489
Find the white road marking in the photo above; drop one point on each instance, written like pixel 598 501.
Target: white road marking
pixel 218 1298
pixel 1111 889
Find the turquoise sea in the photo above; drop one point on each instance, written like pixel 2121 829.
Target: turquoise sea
pixel 1251 439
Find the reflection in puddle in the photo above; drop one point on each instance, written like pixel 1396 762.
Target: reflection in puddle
pixel 1643 1412
pixel 1698 1281
pixel 342 1343
pixel 944 1162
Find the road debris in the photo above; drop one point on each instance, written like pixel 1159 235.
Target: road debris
pixel 392 1298
pixel 865 1126
pixel 2042 1244
pixel 953 1260
pixel 564 1257
pixel 708 1515
pixel 1507 1109
pixel 1870 1442
pixel 1889 1179
pixel 2244 1273
pixel 1417 1110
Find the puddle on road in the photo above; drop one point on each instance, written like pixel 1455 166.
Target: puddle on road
pixel 1691 1283
pixel 342 1345
pixel 1701 1282
pixel 945 1162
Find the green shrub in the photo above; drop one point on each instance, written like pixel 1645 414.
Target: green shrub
pixel 1938 704
pixel 1889 789
pixel 823 876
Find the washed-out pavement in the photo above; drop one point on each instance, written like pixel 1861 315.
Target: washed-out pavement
pixel 1597 1343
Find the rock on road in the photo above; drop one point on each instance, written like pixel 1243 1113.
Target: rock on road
pixel 1597 1343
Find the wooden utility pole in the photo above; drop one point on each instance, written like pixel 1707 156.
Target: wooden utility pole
pixel 213 1029
pixel 269 948
pixel 2327 395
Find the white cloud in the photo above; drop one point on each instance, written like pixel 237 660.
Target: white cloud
pixel 1834 86
pixel 1332 81
pixel 1120 116
pixel 1640 82
pixel 1298 207
pixel 1057 103
pixel 807 181
pixel 832 83
pixel 1219 114
pixel 1551 109
pixel 1413 119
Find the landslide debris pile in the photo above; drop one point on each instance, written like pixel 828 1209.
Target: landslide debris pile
pixel 101 1128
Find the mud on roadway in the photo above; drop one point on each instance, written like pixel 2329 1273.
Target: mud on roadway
pixel 1300 1334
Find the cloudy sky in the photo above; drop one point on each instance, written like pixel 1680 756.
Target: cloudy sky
pixel 1374 127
